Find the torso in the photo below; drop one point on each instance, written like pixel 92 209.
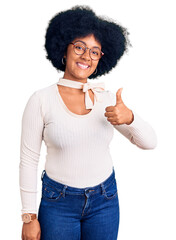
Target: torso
pixel 75 102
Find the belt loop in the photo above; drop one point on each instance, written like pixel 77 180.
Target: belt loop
pixel 102 188
pixel 43 172
pixel 64 190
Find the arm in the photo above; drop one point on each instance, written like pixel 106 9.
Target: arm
pixel 31 139
pixel 138 131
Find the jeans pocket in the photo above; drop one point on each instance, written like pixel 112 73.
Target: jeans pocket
pixel 50 193
pixel 111 191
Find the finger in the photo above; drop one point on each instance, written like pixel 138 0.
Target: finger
pixel 113 122
pixel 109 114
pixel 38 236
pixel 110 119
pixel 109 109
pixel 118 96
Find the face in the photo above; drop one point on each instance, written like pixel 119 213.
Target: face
pixel 80 67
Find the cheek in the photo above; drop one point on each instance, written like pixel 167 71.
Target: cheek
pixel 70 62
pixel 95 64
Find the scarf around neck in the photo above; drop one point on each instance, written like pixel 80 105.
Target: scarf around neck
pixel 95 87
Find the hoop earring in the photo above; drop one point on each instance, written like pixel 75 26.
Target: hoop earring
pixel 95 71
pixel 63 61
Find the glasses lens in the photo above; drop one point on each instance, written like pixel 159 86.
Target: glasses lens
pixel 95 53
pixel 79 48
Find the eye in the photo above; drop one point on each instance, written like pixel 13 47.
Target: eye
pixel 95 53
pixel 78 47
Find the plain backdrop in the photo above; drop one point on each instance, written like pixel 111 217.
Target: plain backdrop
pixel 146 179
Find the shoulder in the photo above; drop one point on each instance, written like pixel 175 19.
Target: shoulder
pixel 39 99
pixel 42 93
pixel 45 91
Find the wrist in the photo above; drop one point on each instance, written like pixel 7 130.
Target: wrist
pixel 28 217
pixel 131 119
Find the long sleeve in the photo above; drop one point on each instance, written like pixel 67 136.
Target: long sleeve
pixel 31 140
pixel 139 132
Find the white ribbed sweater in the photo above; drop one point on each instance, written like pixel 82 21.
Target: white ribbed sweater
pixel 77 145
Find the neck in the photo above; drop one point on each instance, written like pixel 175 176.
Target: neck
pixel 69 77
pixel 70 90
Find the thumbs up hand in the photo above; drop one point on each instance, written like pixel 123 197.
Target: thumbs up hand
pixel 119 114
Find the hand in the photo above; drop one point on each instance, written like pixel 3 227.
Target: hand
pixel 119 114
pixel 31 230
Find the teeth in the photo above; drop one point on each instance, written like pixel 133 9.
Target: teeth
pixel 83 66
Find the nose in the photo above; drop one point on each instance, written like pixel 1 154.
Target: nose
pixel 86 55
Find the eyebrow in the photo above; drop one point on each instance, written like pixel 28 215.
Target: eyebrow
pixel 85 43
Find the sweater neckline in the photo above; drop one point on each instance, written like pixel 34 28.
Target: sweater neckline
pixel 70 112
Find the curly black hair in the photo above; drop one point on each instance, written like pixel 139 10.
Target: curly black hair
pixel 81 21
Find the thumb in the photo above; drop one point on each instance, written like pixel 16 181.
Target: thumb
pixel 118 96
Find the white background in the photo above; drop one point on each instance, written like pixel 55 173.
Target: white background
pixel 146 178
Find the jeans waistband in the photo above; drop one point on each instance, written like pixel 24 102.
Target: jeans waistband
pixel 100 187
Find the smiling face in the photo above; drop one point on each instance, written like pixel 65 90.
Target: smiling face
pixel 80 67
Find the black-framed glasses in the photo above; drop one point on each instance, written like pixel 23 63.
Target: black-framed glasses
pixel 80 48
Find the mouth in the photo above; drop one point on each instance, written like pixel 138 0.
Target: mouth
pixel 83 65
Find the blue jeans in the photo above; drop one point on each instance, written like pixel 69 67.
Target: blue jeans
pixel 69 213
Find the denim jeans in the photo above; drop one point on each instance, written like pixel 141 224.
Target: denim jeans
pixel 69 213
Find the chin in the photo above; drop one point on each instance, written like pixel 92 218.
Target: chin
pixel 82 76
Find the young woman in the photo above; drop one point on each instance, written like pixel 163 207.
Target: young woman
pixel 76 119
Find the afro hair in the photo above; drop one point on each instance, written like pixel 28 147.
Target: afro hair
pixel 81 21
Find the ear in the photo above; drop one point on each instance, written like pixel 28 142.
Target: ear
pixel 65 52
pixel 65 55
pixel 64 59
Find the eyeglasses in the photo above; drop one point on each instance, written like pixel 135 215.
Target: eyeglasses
pixel 80 48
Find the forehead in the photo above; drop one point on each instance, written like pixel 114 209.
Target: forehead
pixel 89 40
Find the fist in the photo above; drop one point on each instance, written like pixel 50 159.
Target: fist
pixel 119 114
